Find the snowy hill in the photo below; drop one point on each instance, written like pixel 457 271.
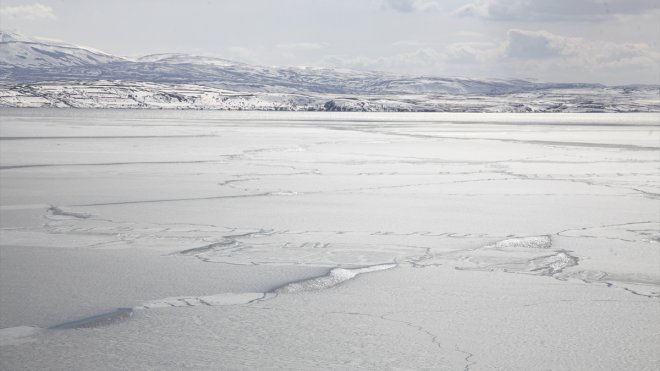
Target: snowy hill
pixel 32 70
pixel 126 94
pixel 179 58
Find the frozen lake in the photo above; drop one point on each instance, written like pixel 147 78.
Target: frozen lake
pixel 261 240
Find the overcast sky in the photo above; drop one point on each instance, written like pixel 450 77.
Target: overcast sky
pixel 607 41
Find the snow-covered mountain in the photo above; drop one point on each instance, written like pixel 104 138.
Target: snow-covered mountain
pixel 30 52
pixel 27 65
pixel 179 58
pixel 24 59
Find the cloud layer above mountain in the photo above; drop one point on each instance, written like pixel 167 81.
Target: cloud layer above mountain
pixel 555 10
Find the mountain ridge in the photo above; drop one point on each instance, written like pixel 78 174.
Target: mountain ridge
pixel 83 63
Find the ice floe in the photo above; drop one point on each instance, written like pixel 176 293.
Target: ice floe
pixel 333 278
pixel 534 242
pixel 102 319
pixel 210 300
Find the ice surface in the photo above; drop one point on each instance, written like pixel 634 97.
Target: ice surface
pixel 18 335
pixel 415 319
pixel 262 240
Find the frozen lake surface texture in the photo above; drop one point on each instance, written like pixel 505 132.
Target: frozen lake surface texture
pixel 219 240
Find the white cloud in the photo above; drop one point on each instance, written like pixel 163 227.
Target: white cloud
pixel 469 34
pixel 300 46
pixel 29 12
pixel 472 52
pixel 407 43
pixel 241 53
pixel 411 6
pixel 422 61
pixel 555 10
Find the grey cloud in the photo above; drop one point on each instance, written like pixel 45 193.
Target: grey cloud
pixel 410 6
pixel 557 57
pixel 540 45
pixel 405 6
pixel 545 53
pixel 537 44
pixel 555 10
pixel 300 46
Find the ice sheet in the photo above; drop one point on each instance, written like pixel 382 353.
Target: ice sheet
pixel 237 237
